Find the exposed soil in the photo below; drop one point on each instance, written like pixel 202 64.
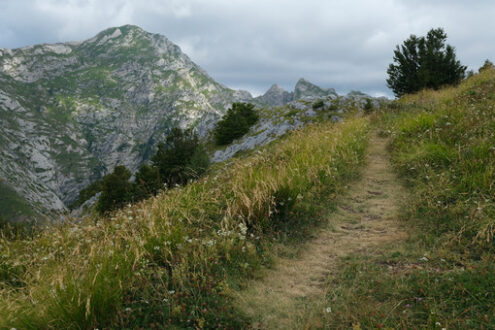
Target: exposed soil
pixel 292 293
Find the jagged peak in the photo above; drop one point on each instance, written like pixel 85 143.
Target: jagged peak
pixel 275 88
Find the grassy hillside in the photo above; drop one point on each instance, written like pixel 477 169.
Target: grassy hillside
pixel 174 259
pixel 443 147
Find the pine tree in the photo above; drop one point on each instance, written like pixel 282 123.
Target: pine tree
pixel 147 182
pixel 425 62
pixel 173 158
pixel 117 190
pixel 235 123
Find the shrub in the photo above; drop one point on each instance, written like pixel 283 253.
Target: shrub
pixel 147 182
pixel 117 190
pixel 181 158
pixel 368 106
pixel 235 123
pixel 318 104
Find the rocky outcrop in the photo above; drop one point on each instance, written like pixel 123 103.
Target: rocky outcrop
pixel 275 122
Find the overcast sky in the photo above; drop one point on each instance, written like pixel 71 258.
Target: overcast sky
pixel 251 44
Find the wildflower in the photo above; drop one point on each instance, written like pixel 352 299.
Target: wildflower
pixel 328 310
pixel 408 305
pixel 423 259
pixel 156 248
pixel 243 228
pixel 128 309
pixel 171 292
pixel 438 324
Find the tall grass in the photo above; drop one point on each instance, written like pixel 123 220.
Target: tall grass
pixel 171 261
pixel 443 147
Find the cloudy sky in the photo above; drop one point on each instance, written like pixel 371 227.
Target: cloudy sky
pixel 251 44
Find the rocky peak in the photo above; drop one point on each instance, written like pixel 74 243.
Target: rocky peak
pixel 76 110
pixel 305 89
pixel 275 96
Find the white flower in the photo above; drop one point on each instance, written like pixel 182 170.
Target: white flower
pixel 328 309
pixel 128 309
pixel 438 324
pixel 171 292
pixel 156 248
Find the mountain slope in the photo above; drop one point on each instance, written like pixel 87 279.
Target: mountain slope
pixel 70 112
pixel 171 261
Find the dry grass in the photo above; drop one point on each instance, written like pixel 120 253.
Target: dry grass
pixel 172 259
pixel 292 296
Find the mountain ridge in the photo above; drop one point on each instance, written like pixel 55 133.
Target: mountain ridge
pixel 71 112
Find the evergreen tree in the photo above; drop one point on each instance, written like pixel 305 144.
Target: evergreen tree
pixel 424 63
pixel 147 182
pixel 487 65
pixel 235 123
pixel 173 158
pixel 117 190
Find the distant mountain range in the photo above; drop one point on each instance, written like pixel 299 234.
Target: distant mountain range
pixel 70 112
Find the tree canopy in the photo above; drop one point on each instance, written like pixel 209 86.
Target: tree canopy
pixel 424 62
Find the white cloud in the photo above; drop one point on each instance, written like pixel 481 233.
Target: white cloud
pixel 254 43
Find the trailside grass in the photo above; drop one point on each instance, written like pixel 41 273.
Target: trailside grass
pixel 443 276
pixel 172 261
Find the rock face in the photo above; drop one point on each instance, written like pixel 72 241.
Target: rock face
pixel 71 112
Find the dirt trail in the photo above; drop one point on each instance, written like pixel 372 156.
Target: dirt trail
pixel 290 294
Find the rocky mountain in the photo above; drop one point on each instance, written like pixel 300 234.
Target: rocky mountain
pixel 70 112
pixel 306 89
pixel 277 96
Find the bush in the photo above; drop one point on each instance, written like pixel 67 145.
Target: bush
pixel 147 182
pixel 235 123
pixel 181 158
pixel 368 106
pixel 487 65
pixel 318 104
pixel 117 190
